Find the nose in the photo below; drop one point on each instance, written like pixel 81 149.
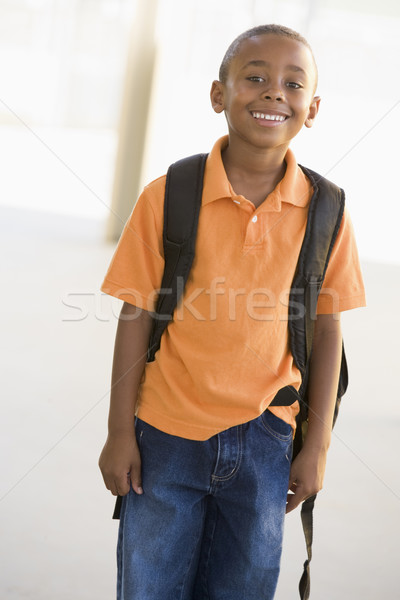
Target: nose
pixel 273 94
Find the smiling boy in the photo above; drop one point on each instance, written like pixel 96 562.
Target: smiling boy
pixel 267 93
pixel 206 471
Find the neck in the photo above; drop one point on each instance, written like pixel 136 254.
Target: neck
pixel 254 163
pixel 254 168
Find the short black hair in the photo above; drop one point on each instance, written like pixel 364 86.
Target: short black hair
pixel 281 30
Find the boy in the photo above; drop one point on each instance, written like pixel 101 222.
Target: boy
pixel 205 475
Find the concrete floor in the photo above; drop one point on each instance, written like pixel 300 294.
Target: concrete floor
pixel 57 538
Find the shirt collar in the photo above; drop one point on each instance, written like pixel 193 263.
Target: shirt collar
pixel 295 188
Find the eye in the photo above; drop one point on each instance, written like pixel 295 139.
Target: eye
pixel 255 78
pixel 294 85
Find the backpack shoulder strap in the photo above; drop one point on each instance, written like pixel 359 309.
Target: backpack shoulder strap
pixel 182 202
pixel 323 222
pixel 324 219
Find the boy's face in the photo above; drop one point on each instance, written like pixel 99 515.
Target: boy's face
pixel 269 92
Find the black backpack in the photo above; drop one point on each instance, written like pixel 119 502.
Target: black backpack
pixel 183 196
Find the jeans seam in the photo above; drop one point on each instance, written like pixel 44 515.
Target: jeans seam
pixel 278 436
pixel 208 559
pixel 238 461
pixel 190 562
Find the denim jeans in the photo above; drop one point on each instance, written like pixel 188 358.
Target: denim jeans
pixel 209 525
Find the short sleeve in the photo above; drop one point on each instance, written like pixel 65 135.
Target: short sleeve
pixel 136 269
pixel 343 287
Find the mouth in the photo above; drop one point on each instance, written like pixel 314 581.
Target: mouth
pixel 268 117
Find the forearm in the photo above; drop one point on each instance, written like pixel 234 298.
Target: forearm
pixel 120 461
pixel 323 382
pixel 130 354
pixel 308 468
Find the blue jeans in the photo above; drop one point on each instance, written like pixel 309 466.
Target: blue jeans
pixel 209 525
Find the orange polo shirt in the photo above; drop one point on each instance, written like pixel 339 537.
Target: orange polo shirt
pixel 226 353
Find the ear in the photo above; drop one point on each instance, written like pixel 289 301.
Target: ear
pixel 217 96
pixel 314 108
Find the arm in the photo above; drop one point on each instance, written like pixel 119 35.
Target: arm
pixel 120 459
pixel 308 468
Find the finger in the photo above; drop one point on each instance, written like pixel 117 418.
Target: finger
pixel 122 485
pixel 292 502
pixel 110 485
pixel 294 497
pixel 136 481
pixel 135 476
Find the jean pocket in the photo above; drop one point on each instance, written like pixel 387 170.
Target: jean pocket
pixel 276 427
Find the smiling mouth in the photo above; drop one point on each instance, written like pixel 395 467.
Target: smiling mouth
pixel 268 117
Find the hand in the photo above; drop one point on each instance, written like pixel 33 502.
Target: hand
pixel 120 464
pixel 306 476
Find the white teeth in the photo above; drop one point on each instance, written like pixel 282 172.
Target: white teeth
pixel 257 115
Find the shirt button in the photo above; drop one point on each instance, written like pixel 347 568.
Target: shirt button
pixel 254 219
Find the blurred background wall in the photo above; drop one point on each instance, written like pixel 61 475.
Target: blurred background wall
pixel 88 87
pixel 65 64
